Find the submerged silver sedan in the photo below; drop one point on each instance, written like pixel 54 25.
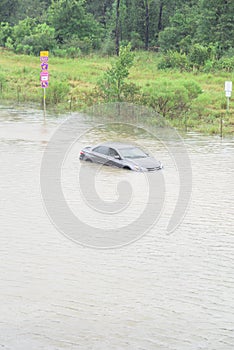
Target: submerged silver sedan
pixel 121 155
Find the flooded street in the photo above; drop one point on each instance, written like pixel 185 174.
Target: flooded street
pixel 159 292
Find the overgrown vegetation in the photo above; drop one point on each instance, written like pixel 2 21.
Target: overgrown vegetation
pixel 189 54
pixel 191 99
pixel 113 86
pixel 199 58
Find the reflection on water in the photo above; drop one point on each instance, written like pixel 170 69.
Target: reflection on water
pixel 161 292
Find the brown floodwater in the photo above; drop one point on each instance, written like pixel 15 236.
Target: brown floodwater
pixel 159 291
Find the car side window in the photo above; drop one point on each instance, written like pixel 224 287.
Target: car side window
pixel 101 149
pixel 113 153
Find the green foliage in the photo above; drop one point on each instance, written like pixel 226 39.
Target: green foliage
pixel 22 30
pixel 171 93
pixel 229 53
pixel 171 98
pixel 113 84
pixel 225 63
pixel 200 57
pixel 9 43
pixel 8 10
pixel 5 33
pixel 71 21
pixel 30 38
pixel 136 41
pixel 216 24
pixel 192 87
pixel 108 47
pixel 57 92
pixel 177 36
pixel 168 39
pixel 174 59
pixel 82 26
pixel 200 54
pixel 2 82
pixel 41 38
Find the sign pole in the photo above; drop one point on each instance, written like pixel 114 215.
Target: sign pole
pixel 44 103
pixel 228 104
pixel 221 126
pixel 228 93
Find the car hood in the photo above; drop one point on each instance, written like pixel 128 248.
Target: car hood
pixel 148 163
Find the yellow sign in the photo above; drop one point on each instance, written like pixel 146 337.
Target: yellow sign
pixel 44 53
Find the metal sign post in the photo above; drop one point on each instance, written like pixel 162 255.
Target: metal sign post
pixel 44 75
pixel 228 93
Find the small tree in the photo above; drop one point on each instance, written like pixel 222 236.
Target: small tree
pixel 199 54
pixel 5 32
pixel 113 84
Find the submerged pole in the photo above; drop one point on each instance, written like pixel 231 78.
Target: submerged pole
pixel 221 126
pixel 44 103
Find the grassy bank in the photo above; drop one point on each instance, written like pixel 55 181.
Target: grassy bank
pixel 72 84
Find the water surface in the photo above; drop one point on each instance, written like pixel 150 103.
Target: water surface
pixel 160 292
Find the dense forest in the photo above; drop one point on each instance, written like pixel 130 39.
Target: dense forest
pixel 71 27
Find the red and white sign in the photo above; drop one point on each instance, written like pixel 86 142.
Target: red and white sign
pixel 44 76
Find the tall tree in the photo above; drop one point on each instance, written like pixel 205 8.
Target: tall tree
pixel 182 28
pixel 146 24
pixel 216 23
pixel 70 19
pixel 100 9
pixel 117 28
pixel 8 10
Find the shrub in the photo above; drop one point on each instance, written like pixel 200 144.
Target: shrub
pixel 30 38
pixel 58 52
pixel 2 82
pixel 192 87
pixel 174 59
pixel 136 41
pixel 73 52
pixel 209 66
pixel 57 92
pixel 171 99
pixel 5 33
pixel 199 55
pixel 108 47
pixel 25 49
pixel 229 53
pixel 225 63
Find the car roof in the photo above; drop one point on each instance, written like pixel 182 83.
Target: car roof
pixel 118 145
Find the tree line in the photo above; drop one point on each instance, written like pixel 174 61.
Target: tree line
pixel 71 27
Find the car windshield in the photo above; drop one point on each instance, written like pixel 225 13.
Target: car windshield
pixel 133 152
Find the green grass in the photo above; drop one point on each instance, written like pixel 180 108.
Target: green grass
pixel 19 81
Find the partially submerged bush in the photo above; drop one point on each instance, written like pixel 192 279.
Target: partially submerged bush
pixel 171 99
pixel 57 92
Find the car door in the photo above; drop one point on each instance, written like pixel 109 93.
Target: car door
pixel 114 158
pixel 100 154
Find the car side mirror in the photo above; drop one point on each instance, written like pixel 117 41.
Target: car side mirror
pixel 117 157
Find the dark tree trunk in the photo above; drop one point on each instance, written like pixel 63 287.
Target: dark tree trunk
pixel 146 24
pixel 117 28
pixel 160 16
